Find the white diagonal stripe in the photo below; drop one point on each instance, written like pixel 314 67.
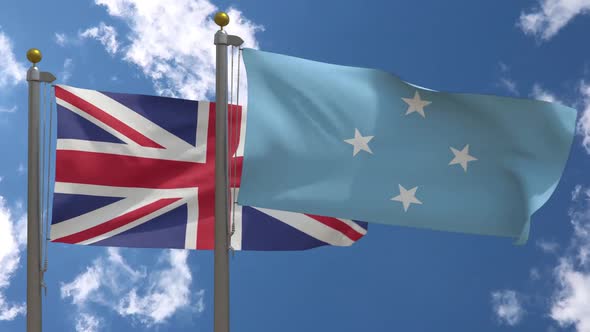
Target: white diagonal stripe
pixel 136 198
pixel 135 223
pixel 310 227
pixel 126 115
pixel 97 217
pixel 98 123
pixel 354 226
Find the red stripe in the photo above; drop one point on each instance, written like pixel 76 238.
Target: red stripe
pixel 106 118
pixel 127 171
pixel 236 164
pixel 234 127
pixel 117 222
pixel 338 225
pixel 206 225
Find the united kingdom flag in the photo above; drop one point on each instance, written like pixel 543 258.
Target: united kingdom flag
pixel 138 171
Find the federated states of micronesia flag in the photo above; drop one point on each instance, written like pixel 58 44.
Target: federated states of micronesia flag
pixel 138 171
pixel 363 144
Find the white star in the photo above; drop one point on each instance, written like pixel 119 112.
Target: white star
pixel 462 157
pixel 406 197
pixel 359 142
pixel 416 104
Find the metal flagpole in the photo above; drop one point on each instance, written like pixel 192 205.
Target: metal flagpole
pixel 221 261
pixel 35 78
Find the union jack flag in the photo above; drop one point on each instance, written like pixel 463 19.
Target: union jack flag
pixel 138 171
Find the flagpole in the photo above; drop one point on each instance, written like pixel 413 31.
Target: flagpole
pixel 35 78
pixel 221 259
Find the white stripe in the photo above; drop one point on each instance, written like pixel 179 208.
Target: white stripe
pixel 135 223
pixel 98 123
pixel 310 227
pixel 98 216
pixel 194 155
pixel 202 129
pixel 242 141
pixel 192 222
pixel 235 218
pixel 354 226
pixel 236 238
pixel 128 116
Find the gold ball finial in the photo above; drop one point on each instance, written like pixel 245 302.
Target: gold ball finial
pixel 34 55
pixel 221 19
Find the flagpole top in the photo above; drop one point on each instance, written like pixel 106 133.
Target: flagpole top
pixel 34 55
pixel 221 19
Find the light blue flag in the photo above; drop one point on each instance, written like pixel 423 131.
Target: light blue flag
pixel 362 144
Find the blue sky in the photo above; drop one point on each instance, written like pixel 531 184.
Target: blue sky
pixel 395 278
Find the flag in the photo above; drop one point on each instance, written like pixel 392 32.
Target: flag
pixel 138 171
pixel 362 144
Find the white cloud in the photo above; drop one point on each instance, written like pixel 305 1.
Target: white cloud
pixel 200 305
pixel 505 81
pixel 584 122
pixel 66 74
pixel 576 192
pixel 117 7
pixel 571 302
pixel 21 230
pixel 550 16
pixel 11 71
pixel 10 311
pixel 583 105
pixel 8 110
pixel 61 39
pixel 147 297
pixel 542 94
pixel 535 274
pixel 106 275
pixel 172 43
pixel 509 85
pixel 21 169
pixel 580 219
pixel 84 285
pixel 507 307
pixel 503 67
pixel 87 323
pixel 11 246
pixel 548 246
pixel 106 34
pixel 169 291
